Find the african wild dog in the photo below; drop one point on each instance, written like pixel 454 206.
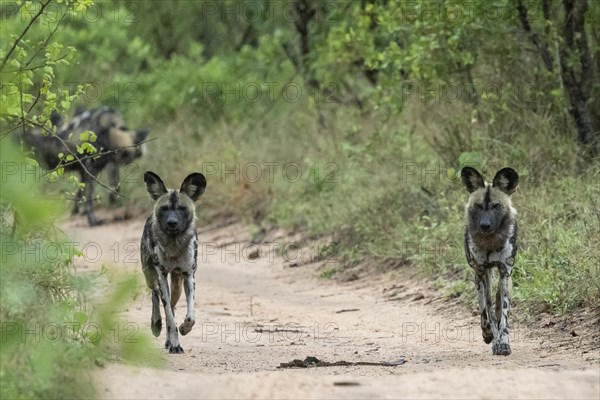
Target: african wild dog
pixel 120 145
pixel 170 246
pixel 491 242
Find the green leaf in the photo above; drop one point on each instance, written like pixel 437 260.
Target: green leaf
pixel 87 136
pixel 470 158
pixel 88 148
pixel 80 318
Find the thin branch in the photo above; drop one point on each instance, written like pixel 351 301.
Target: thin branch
pixel 78 160
pixel 22 122
pixel 304 14
pixel 84 169
pixel 21 99
pixel 539 43
pixel 34 68
pixel 247 38
pixel 43 46
pixel 37 98
pixel 14 45
pixel 291 56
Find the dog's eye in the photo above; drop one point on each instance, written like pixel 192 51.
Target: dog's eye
pixel 123 128
pixel 163 208
pixel 497 206
pixel 479 206
pixel 182 208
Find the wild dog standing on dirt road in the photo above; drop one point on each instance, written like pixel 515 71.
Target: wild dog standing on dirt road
pixel 115 143
pixel 491 242
pixel 170 246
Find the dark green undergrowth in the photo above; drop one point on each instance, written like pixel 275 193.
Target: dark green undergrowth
pixel 386 197
pixel 396 215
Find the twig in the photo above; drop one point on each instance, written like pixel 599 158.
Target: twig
pixel 347 310
pixel 276 330
pixel 79 161
pixel 47 40
pixel 312 362
pixel 16 42
pixel 94 155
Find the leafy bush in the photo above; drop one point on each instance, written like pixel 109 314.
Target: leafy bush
pixel 42 308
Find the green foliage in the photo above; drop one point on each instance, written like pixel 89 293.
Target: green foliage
pixel 42 305
pixel 50 332
pixel 51 335
pixel 328 273
pixel 32 61
pixel 559 268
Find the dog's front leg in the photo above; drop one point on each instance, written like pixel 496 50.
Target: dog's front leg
pixel 172 342
pixel 487 278
pixel 89 198
pixel 484 311
pixel 155 320
pixel 77 201
pixel 189 286
pixel 501 345
pixel 113 181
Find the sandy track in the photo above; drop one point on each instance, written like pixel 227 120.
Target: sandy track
pixel 253 314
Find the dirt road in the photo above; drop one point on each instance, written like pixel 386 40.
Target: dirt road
pixel 252 314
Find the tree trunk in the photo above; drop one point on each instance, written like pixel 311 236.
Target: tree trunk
pixel 575 55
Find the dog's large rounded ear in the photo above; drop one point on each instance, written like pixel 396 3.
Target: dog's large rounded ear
pixel 471 179
pixel 154 185
pixel 506 180
pixel 194 185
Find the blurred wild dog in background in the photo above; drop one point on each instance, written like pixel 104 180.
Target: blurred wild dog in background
pixel 116 145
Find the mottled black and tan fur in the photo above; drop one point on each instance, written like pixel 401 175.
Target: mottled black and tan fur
pixel 491 242
pixel 170 246
pixel 116 145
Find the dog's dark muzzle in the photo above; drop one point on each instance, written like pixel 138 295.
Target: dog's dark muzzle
pixel 172 224
pixel 485 227
pixel 487 223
